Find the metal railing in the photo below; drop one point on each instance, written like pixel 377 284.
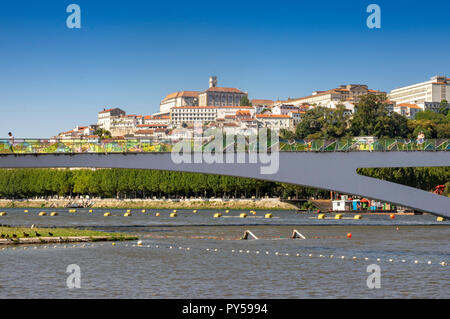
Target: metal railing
pixel 50 146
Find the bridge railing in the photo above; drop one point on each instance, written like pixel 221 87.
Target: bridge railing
pixel 42 146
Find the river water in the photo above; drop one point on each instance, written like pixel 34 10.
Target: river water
pixel 197 256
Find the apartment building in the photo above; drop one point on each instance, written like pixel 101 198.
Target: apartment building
pixel 177 99
pixel 407 109
pixel 344 93
pixel 274 121
pixel 433 91
pixel 105 117
pixel 192 114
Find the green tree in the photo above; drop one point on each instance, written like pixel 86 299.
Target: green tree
pixel 245 101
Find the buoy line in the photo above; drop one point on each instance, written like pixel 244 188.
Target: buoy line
pixel 298 254
pixel 139 244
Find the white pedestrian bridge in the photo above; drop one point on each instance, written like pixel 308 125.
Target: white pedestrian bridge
pixel 329 165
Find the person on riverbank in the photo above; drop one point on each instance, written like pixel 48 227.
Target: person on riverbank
pixel 11 142
pixel 420 138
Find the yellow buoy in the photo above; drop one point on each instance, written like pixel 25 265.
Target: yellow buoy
pixel 227 211
pixel 107 214
pixel 53 214
pixel 338 216
pixel 3 214
pixel 90 210
pixel 321 216
pixel 72 210
pixel 174 210
pixel 42 214
pixel 440 219
pixel 173 215
pixel 113 244
pixel 357 217
pixel 157 214
pixel 217 215
pixel 127 214
pixel 243 215
pixel 194 211
pixel 268 215
pixel 25 211
pixel 143 211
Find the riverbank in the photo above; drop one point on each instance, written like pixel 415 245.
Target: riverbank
pixel 111 203
pixel 26 235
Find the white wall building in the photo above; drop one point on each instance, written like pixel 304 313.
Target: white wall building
pixel 350 93
pixel 434 90
pixel 106 117
pixel 274 121
pixel 407 109
pixel 192 114
pixel 183 98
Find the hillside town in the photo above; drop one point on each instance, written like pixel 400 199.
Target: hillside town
pixel 231 110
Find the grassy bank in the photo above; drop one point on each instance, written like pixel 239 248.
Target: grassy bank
pixel 244 204
pixel 13 235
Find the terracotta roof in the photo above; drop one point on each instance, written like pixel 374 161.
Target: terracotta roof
pixel 272 116
pixel 181 94
pixel 144 132
pixel 236 107
pixel 258 101
pixel 226 90
pixel 195 107
pixel 109 110
pixel 150 125
pixel 244 112
pixel 409 105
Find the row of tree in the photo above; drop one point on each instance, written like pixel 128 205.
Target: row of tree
pixel 426 178
pixel 133 183
pixel 371 118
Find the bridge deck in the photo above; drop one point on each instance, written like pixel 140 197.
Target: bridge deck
pixel 325 170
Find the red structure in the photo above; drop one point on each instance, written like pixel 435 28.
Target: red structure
pixel 439 189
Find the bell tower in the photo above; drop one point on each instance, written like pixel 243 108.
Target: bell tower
pixel 212 81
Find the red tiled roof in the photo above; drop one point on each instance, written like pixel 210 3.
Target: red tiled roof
pixel 151 125
pixel 181 94
pixel 409 105
pixel 272 116
pixel 195 107
pixel 225 90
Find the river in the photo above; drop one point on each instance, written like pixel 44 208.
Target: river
pixel 197 256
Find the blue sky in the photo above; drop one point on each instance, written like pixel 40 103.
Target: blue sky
pixel 130 54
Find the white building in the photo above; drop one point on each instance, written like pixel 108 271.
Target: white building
pixel 284 109
pixel 434 90
pixel 192 114
pixel 274 121
pixel 177 99
pixel 220 96
pixel 350 93
pixel 154 119
pixel 79 132
pixel 407 109
pixel 226 111
pixel 342 204
pixel 296 117
pixel 213 96
pixel 106 117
